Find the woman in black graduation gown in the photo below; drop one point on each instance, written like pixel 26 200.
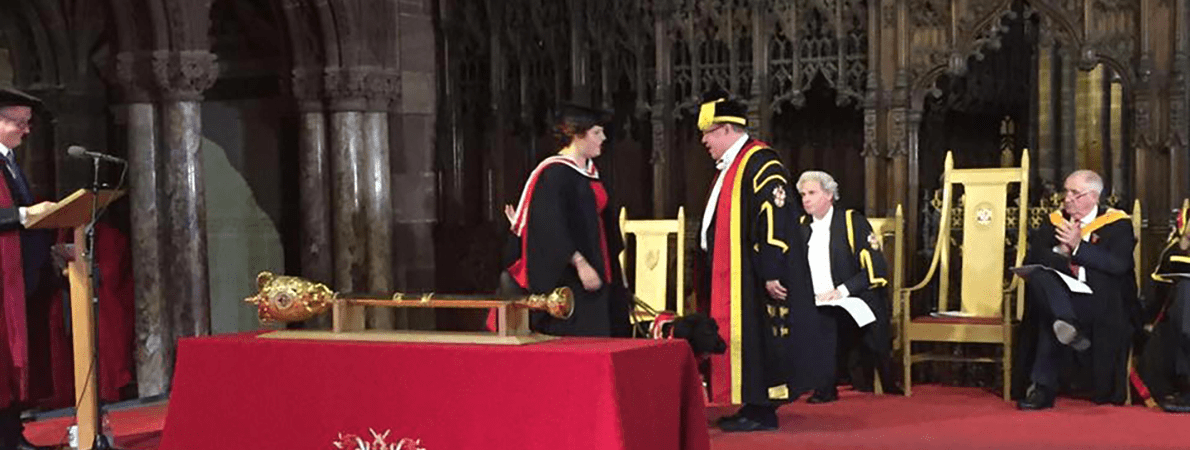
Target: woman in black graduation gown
pixel 566 233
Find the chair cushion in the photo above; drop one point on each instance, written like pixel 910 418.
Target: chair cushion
pixel 959 320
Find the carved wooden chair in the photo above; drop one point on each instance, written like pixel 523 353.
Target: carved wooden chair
pixel 651 263
pixel 1137 222
pixel 985 302
pixel 893 228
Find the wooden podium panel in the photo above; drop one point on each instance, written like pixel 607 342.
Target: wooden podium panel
pixel 74 212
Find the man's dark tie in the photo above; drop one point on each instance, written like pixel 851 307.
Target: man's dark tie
pixel 17 178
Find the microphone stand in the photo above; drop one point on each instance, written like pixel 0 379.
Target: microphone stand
pixel 101 439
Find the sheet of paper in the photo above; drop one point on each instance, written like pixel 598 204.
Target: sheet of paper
pixel 951 314
pixel 1174 275
pixel 1071 283
pixel 856 307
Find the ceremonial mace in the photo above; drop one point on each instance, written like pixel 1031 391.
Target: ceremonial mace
pixel 286 299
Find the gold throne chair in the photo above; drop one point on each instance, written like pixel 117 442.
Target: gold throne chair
pixel 986 292
pixel 650 248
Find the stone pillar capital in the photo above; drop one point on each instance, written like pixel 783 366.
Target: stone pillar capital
pixel 361 88
pixel 133 77
pixel 383 89
pixel 345 87
pixel 184 75
pixel 307 86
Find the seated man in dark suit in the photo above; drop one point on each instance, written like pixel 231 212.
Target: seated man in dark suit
pixel 1175 262
pixel 1092 244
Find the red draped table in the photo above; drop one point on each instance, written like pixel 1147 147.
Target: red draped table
pixel 240 391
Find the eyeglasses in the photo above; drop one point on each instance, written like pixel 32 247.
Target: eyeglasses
pixel 713 129
pixel 23 124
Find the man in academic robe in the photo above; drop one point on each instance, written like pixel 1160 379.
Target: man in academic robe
pixel 28 273
pixel 747 238
pixel 845 261
pixel 1093 245
pixel 1172 273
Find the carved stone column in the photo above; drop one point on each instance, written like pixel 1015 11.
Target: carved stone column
pixel 414 180
pixel 315 181
pixel 377 192
pixel 182 76
pixel 345 89
pixel 154 331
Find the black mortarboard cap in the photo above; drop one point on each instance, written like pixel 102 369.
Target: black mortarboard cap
pixel 13 97
pixel 719 107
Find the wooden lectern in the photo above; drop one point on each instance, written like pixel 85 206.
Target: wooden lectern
pixel 75 212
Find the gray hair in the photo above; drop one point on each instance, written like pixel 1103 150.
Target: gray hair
pixel 823 179
pixel 1092 179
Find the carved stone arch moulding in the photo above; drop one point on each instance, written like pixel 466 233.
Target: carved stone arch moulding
pixel 978 28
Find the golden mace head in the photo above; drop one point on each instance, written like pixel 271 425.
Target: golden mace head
pixel 289 299
pixel 559 303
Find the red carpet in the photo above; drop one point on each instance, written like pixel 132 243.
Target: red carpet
pixel 136 428
pixel 939 417
pixel 935 417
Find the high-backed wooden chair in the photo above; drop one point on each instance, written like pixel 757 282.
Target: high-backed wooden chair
pixel 893 228
pixel 1137 222
pixel 985 302
pixel 651 250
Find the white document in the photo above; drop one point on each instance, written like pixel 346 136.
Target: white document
pixel 1174 275
pixel 1071 283
pixel 958 314
pixel 856 307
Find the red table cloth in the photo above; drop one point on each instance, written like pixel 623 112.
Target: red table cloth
pixel 240 391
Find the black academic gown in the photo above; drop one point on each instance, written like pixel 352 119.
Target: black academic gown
pixel 856 262
pixel 1107 317
pixel 562 219
pixel 765 248
pixel 1174 309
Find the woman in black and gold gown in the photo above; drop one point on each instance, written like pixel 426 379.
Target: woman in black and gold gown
pixel 565 232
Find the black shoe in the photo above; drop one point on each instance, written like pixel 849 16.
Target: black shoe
pixel 742 423
pixel 1038 397
pixel 823 396
pixel 1067 334
pixel 1177 403
pixel 725 419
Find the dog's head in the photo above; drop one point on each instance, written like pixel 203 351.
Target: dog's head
pixel 701 332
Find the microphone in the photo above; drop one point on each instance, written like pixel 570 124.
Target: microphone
pixel 78 151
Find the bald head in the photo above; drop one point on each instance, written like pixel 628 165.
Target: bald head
pixel 1082 189
pixel 1090 178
